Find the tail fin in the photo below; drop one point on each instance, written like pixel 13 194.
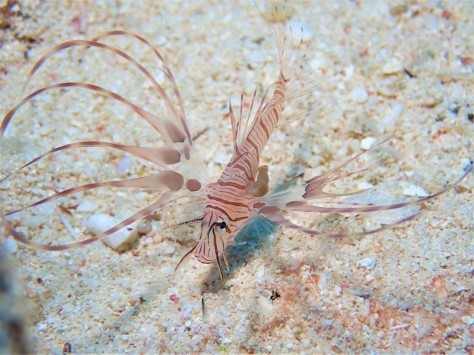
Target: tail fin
pixel 289 37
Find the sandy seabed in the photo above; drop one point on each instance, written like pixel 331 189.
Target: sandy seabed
pixel 403 69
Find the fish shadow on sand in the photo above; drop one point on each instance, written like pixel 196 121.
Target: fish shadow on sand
pixel 254 238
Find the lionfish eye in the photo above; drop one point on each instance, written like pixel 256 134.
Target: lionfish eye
pixel 223 225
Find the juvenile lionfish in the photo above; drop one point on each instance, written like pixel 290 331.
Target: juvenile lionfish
pixel 242 192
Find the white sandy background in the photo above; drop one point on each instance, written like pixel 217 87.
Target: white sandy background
pixel 404 69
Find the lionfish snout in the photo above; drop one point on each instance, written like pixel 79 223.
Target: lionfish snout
pixel 211 243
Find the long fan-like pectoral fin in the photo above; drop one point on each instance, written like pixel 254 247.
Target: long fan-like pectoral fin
pixel 85 43
pixel 175 122
pixel 183 168
pixel 166 179
pixel 169 155
pixel 275 215
pixel 298 198
pixel 155 121
pixel 163 201
pixel 310 197
pixel 314 187
pixel 162 156
pixel 166 68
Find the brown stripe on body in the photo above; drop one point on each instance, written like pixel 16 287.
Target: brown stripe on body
pixel 259 139
pixel 254 146
pixel 231 184
pixel 228 194
pixel 244 170
pixel 235 219
pixel 264 127
pixel 237 204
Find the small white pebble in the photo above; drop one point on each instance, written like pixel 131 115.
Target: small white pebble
pixel 45 210
pixel 15 8
pixel 414 190
pixel 86 206
pixel 42 327
pixel 235 102
pixel 367 142
pixel 10 245
pixel 315 64
pixel 289 346
pixel 167 270
pixel 393 66
pixel 369 278
pixel 391 117
pixel 260 272
pixel 169 250
pixel 326 323
pixel 34 221
pixel 367 263
pixel 364 185
pixel 265 306
pixel 256 57
pixel 66 308
pixel 323 283
pixel 52 319
pixel 366 308
pixel 226 341
pixel 359 94
pixel 143 227
pixel 300 31
pixel 466 162
pixel 186 311
pixel 119 240
pixel 123 165
pixel 468 320
pixel 222 157
pixel 349 71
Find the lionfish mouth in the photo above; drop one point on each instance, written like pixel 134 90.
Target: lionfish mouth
pixel 209 248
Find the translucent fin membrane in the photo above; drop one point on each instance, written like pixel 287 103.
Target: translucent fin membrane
pixel 310 208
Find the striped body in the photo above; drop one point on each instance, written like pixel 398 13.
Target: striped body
pixel 246 156
pixel 230 200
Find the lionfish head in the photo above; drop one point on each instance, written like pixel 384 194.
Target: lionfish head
pixel 212 239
